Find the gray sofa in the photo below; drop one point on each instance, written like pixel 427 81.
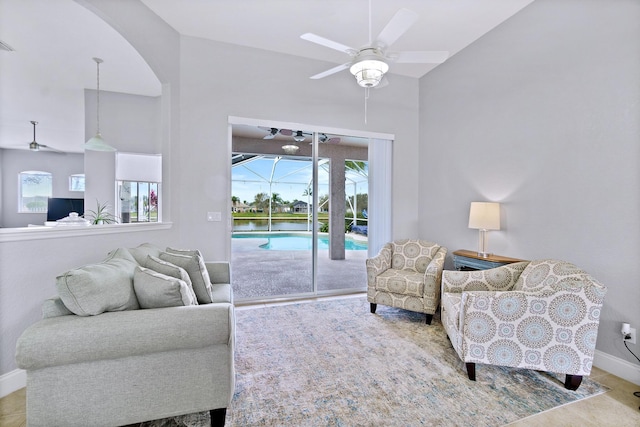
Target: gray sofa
pixel 128 364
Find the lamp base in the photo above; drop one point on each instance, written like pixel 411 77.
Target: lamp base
pixel 483 240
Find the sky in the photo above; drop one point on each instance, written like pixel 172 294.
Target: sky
pixel 291 178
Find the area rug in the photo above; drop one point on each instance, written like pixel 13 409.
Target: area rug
pixel 333 363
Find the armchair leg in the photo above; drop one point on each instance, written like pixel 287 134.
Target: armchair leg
pixel 373 307
pixel 218 417
pixel 471 371
pixel 429 319
pixel 572 382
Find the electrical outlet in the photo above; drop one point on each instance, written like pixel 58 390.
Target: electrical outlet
pixel 631 336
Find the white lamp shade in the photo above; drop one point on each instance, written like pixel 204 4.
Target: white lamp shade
pixel 138 167
pixel 484 216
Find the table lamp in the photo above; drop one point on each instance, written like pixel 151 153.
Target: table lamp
pixel 484 216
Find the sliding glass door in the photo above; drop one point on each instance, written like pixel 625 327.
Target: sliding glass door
pixel 299 203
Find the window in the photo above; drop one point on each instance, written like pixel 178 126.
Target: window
pixel 76 182
pixel 35 189
pixel 139 201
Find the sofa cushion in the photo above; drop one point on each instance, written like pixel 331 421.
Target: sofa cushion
pixel 221 292
pixel 96 288
pixel 197 271
pixel 165 267
pixel 412 255
pixel 157 290
pixel 401 282
pixel 141 252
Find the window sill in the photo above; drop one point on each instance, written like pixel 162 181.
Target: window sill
pixel 42 232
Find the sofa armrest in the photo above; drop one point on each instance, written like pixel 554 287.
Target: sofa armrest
pixel 219 271
pixel 535 326
pixel 501 278
pixel 433 274
pixel 378 264
pixel 73 339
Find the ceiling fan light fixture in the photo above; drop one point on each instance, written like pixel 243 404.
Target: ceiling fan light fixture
pixel 369 72
pixel 298 137
pixel 290 148
pixel 97 143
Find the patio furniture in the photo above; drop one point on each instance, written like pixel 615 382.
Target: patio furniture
pixel 406 274
pixel 541 315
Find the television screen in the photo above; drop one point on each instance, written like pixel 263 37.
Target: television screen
pixel 59 207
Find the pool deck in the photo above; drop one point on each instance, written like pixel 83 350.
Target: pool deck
pixel 258 273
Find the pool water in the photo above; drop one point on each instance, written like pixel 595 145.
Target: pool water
pixel 298 242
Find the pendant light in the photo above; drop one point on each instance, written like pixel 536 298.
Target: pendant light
pixel 97 143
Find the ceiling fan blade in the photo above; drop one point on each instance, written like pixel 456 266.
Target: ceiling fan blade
pixel 331 71
pixel 314 38
pixel 399 24
pixel 421 57
pixel 55 150
pixel 383 83
pixel 272 133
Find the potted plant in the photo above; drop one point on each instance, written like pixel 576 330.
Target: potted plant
pixel 101 215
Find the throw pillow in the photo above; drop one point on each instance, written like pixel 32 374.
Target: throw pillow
pixel 156 290
pixel 54 307
pixel 96 288
pixel 141 252
pixel 195 267
pixel 164 267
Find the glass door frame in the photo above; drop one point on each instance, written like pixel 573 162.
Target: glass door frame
pixel 315 130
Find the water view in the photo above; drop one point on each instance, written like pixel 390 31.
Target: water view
pixel 276 225
pixel 298 242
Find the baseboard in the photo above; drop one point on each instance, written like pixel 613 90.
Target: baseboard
pixel 616 366
pixel 12 381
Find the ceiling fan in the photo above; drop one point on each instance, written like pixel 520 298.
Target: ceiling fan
pixel 35 146
pixel 273 132
pixel 299 135
pixel 370 63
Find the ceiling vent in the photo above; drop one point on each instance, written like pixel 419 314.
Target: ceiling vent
pixel 4 46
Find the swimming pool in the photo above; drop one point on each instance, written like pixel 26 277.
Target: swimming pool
pixel 298 242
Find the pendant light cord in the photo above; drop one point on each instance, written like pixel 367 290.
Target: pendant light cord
pixel 98 61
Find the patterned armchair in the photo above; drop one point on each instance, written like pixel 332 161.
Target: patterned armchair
pixel 541 315
pixel 406 274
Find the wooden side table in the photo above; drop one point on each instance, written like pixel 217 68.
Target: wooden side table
pixel 470 260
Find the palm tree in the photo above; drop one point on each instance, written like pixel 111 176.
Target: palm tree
pixel 276 201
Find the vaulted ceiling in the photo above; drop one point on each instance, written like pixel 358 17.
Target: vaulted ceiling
pixel 53 41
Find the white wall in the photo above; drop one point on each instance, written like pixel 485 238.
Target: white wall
pixel 28 268
pixel 543 115
pixel 220 80
pixel 13 162
pixel 129 123
pixel 203 83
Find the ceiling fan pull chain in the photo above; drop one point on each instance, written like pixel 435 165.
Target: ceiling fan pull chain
pixel 366 98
